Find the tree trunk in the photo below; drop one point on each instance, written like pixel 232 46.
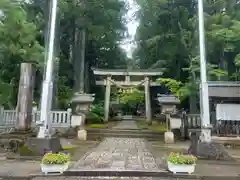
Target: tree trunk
pixel 75 60
pixel 25 97
pixel 193 104
pixel 193 98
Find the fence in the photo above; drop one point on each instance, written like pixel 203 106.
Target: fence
pixel 58 118
pixel 192 122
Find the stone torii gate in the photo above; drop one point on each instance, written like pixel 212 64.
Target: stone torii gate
pixel 109 81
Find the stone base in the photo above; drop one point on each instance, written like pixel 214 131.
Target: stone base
pixel 78 120
pixel 169 137
pixel 208 150
pixel 82 134
pixel 42 145
pixel 22 132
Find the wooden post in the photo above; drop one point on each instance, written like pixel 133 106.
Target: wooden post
pixel 25 97
pixel 147 100
pixel 107 98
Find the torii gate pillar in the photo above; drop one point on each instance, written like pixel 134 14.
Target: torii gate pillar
pixel 107 99
pixel 147 100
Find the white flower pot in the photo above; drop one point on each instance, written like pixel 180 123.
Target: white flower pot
pixel 54 168
pixel 181 168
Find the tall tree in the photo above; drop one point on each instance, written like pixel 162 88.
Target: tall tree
pixel 22 33
pixel 168 38
pixel 18 44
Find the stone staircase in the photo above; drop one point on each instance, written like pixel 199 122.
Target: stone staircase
pixel 124 133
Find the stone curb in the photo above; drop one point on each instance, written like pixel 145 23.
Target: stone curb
pixel 124 131
pixel 134 173
pixel 15 177
pixel 122 174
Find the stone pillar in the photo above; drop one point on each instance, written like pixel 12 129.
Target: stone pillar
pixel 127 79
pixel 147 100
pixel 168 136
pixel 82 60
pixel 25 97
pixel 107 98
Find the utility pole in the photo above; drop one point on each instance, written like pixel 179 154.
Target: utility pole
pixel 205 116
pixel 205 148
pixel 47 89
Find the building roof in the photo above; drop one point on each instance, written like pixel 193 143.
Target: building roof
pixel 224 89
pixel 223 83
pixel 171 99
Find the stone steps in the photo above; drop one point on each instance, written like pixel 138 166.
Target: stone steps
pixel 122 131
pixel 149 135
pixel 101 136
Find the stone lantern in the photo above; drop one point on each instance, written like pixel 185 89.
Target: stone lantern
pixel 168 106
pixel 81 104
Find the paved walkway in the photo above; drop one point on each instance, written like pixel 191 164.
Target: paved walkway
pixel 119 154
pixel 107 178
pixel 126 125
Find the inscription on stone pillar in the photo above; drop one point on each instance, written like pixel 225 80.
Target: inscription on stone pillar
pixel 25 97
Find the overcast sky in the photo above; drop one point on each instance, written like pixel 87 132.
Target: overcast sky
pixel 132 25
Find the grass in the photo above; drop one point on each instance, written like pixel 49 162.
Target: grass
pixel 155 126
pixel 69 147
pixel 96 125
pixel 108 125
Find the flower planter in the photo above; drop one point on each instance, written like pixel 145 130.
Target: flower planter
pixel 54 168
pixel 181 168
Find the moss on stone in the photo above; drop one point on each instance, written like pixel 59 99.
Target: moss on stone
pixel 26 151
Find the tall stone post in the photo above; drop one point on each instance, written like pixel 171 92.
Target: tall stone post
pixel 82 60
pixel 107 98
pixel 25 97
pixel 147 100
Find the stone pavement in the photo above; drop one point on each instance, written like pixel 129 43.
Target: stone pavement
pixel 105 178
pixel 15 168
pixel 119 154
pixel 126 155
pixel 126 125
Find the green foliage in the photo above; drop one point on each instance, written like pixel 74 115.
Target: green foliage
pixel 93 118
pixel 22 36
pixel 6 91
pixel 167 38
pixel 176 87
pixel 172 84
pixel 65 93
pixel 19 44
pixel 18 35
pixel 52 158
pixel 96 114
pixel 98 109
pixel 131 96
pixel 177 158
